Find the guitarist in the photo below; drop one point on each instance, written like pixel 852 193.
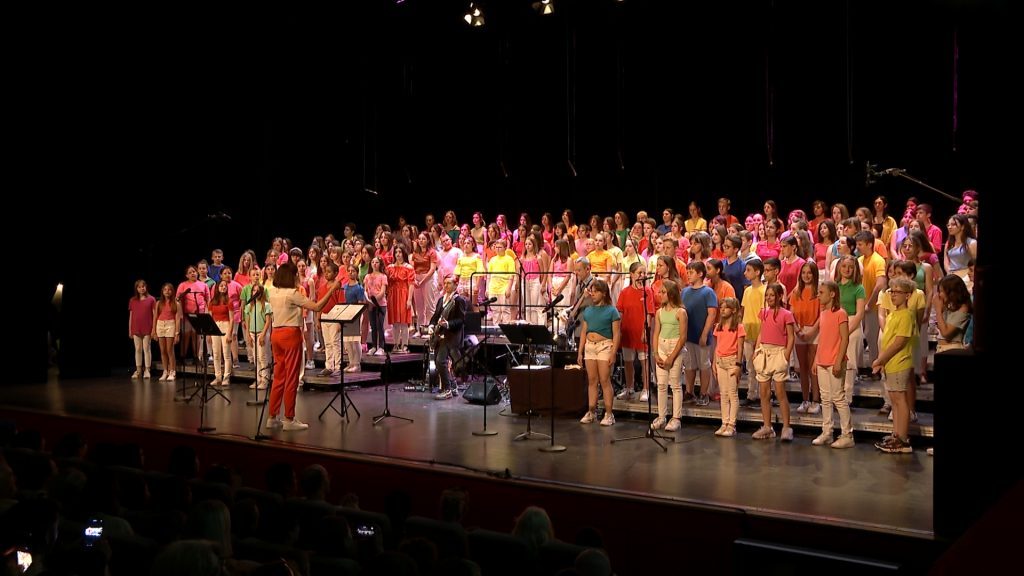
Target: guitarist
pixel 580 297
pixel 449 316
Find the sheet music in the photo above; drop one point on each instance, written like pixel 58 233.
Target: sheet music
pixel 343 313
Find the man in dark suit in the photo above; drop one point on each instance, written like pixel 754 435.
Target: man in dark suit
pixel 449 317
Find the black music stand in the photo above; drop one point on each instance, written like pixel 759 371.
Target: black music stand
pixel 531 335
pixel 204 326
pixel 346 315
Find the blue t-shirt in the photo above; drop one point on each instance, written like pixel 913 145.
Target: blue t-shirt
pixel 599 319
pixel 214 271
pixel 697 301
pixel 354 294
pixel 733 274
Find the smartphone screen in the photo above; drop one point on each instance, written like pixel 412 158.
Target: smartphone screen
pixel 366 531
pixel 24 560
pixel 93 532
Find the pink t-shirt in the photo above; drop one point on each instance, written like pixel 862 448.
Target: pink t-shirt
pixel 166 312
pixel 196 299
pixel 142 315
pixel 773 325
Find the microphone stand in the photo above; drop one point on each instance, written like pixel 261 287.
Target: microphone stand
pixel 185 396
pixel 652 379
pixel 385 374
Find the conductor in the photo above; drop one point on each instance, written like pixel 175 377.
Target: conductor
pixel 447 322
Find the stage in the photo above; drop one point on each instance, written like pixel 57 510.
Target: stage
pixel 858 489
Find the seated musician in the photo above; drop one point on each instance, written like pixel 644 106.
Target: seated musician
pixel 447 322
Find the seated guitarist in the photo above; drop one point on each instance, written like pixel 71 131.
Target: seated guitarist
pixel 580 297
pixel 449 316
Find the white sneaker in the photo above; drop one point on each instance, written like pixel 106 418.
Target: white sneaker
pixel 294 424
pixel 163 376
pixel 608 420
pixel 721 430
pixel 823 439
pixel 764 433
pixel 729 432
pixel 310 364
pixel 624 395
pixel 588 418
pixel 172 376
pixel 316 345
pixel 814 408
pixel 802 408
pixel 673 425
pixel 136 374
pixel 379 352
pixel 273 422
pixel 787 434
pixel 844 441
pixel 644 396
pixel 252 386
pixel 371 351
pixel 658 423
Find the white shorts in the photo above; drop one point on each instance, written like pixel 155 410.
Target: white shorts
pixel 628 354
pixel 166 328
pixel 600 351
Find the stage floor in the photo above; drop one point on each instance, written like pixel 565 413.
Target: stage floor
pixel 860 488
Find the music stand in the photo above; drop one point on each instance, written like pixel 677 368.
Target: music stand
pixel 531 335
pixel 346 315
pixel 384 376
pixel 204 326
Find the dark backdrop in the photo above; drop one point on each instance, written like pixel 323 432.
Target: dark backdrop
pixel 174 132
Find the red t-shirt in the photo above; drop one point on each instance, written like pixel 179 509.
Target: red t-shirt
pixel 631 307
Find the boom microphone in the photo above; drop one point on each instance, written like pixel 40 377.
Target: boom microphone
pixel 551 306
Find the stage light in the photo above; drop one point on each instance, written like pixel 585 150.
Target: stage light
pixel 544 7
pixel 474 16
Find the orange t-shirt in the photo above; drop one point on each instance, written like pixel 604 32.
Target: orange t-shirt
pixel 806 308
pixel 828 336
pixel 726 340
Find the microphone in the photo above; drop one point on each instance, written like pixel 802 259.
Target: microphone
pixel 374 300
pixel 551 306
pixel 490 300
pixel 185 293
pixel 892 171
pixel 256 291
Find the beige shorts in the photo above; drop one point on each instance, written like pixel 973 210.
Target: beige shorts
pixel 629 354
pixel 600 351
pixel 770 363
pixel 943 346
pixel 898 381
pixel 166 328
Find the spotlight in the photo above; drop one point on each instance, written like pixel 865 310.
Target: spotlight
pixel 474 17
pixel 544 7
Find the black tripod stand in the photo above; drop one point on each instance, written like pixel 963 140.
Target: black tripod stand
pixel 531 335
pixel 652 378
pixel 345 315
pixel 204 326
